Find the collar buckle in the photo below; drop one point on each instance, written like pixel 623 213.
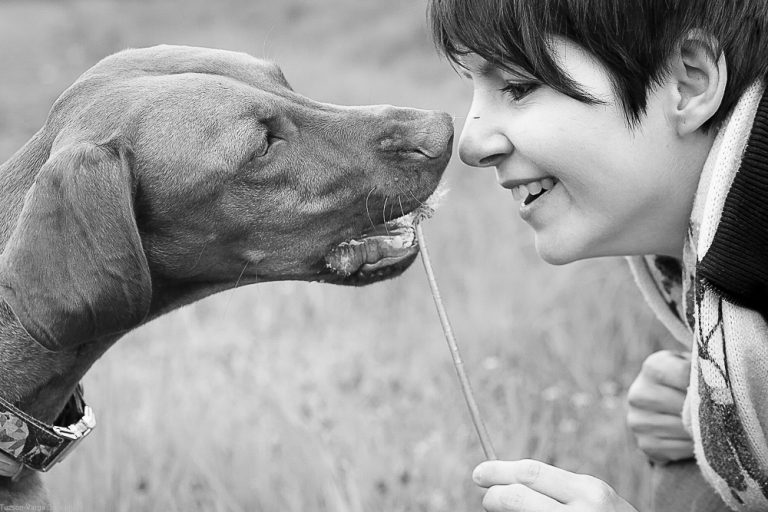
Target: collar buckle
pixel 72 436
pixel 40 446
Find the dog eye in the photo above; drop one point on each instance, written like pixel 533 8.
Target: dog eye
pixel 263 148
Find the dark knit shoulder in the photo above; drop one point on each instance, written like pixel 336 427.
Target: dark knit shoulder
pixel 736 263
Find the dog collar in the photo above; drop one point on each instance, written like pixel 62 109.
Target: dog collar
pixel 38 445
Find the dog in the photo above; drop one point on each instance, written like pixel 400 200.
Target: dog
pixel 166 174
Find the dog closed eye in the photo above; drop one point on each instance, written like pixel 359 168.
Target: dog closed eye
pixel 265 143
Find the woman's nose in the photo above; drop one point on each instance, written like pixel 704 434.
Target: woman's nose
pixel 482 143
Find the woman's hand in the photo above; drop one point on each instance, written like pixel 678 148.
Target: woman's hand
pixel 655 406
pixel 532 486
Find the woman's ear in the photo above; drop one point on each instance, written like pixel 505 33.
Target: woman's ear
pixel 699 75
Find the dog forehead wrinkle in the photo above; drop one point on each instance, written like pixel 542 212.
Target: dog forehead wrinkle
pixel 177 59
pixel 193 146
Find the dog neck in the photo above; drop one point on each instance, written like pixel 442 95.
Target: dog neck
pixel 39 381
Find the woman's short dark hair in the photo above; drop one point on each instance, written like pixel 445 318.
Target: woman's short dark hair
pixel 633 39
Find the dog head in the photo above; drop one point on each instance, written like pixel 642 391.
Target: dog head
pixel 176 172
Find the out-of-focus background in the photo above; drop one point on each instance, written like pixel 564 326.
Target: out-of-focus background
pixel 298 397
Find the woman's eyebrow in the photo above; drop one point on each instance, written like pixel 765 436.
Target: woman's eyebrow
pixel 467 70
pixel 516 72
pixel 486 68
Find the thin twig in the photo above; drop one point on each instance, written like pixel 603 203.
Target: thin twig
pixel 466 388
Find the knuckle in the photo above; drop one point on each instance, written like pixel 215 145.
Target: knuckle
pixel 660 457
pixel 679 454
pixel 683 359
pixel 634 389
pixel 652 451
pixel 596 491
pixel 530 470
pixel 489 500
pixel 637 397
pixel 634 394
pixel 513 498
pixel 655 360
pixel 507 498
pixel 660 362
pixel 637 422
pixel 653 371
pixel 632 419
pixel 647 444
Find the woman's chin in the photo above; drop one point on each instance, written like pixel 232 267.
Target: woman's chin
pixel 556 253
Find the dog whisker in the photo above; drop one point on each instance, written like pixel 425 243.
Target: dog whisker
pixel 232 291
pixel 367 210
pixel 384 214
pixel 421 203
pixel 409 193
pixel 200 255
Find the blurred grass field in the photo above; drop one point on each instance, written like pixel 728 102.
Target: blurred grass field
pixel 308 397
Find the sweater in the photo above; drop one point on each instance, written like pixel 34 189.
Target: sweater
pixel 716 302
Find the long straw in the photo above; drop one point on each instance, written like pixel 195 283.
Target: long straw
pixel 458 364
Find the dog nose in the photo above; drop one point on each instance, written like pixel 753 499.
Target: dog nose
pixel 421 134
pixel 437 140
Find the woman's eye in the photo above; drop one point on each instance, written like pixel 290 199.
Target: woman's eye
pixel 519 90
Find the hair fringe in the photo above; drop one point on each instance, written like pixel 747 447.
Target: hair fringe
pixel 633 40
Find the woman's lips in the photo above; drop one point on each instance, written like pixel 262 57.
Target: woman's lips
pixel 534 202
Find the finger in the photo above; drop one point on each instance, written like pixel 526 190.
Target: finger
pixel 666 450
pixel 662 426
pixel 518 498
pixel 669 368
pixel 556 483
pixel 655 398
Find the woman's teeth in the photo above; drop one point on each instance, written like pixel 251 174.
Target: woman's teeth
pixel 534 188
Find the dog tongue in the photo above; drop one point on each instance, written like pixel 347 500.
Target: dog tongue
pixel 373 252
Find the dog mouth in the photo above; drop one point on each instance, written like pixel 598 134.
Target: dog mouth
pixel 383 250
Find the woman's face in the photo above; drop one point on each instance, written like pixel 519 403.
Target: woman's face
pixel 609 189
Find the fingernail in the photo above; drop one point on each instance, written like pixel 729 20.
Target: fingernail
pixel 477 474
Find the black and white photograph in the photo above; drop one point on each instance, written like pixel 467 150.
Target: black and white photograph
pixel 383 256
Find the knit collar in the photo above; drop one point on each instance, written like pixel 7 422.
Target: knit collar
pixel 732 245
pixel 666 282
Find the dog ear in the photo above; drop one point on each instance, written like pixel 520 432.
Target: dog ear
pixel 74 268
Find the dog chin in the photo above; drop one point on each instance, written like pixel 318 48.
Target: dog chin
pixel 369 274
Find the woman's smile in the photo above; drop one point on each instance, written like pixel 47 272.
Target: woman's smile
pixel 534 201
